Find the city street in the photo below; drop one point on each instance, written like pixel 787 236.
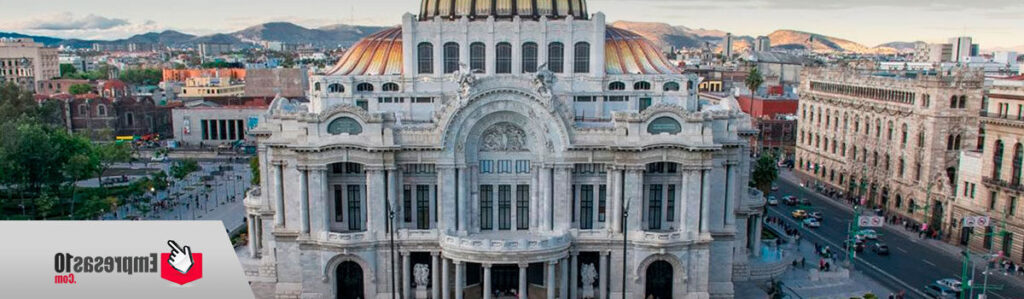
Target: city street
pixel 912 264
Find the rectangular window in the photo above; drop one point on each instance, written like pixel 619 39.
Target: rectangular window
pixel 423 206
pixel 671 214
pixel 615 98
pixel 654 207
pixel 504 166
pixel 203 125
pixel 504 207
pixel 339 213
pixel 587 207
pixel 522 166
pixel 355 216
pixel 602 202
pixel 486 166
pixel 522 206
pixel 988 238
pixel 1011 207
pixel 423 100
pixel 485 207
pixel 583 98
pixel 992 200
pixel 407 204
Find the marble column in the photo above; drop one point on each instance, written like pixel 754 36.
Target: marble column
pixel 705 195
pixel 562 199
pixel 446 198
pixel 435 284
pixel 535 196
pixel 522 280
pixel 634 197
pixel 304 200
pixel 376 212
pixel 406 277
pixel 549 283
pixel 463 202
pixel 602 280
pixel 395 195
pixel 278 193
pixel 544 214
pixel 460 278
pixel 734 194
pixel 487 280
pixel 324 203
pixel 683 202
pixel 446 292
pixel 251 226
pixel 563 290
pixel 757 236
pixel 573 274
pixel 612 216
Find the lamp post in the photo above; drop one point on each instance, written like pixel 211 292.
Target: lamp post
pixel 625 234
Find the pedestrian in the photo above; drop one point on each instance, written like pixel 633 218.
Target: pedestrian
pixel 891 296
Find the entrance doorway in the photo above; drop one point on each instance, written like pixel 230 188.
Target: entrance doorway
pixel 659 281
pixel 504 278
pixel 349 277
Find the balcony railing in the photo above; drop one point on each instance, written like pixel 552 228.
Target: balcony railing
pixel 998 183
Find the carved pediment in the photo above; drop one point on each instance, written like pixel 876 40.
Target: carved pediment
pixel 503 137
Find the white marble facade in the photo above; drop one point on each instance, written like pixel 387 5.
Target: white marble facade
pixel 504 180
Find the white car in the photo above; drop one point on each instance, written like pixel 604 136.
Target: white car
pixel 952 283
pixel 811 222
pixel 772 201
pixel 869 234
pixel 160 158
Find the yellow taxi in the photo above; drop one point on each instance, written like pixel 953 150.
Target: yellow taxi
pixel 799 214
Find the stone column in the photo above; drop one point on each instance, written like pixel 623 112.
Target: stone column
pixel 757 236
pixel 544 214
pixel 460 278
pixel 445 286
pixel 406 277
pixel 250 222
pixel 602 280
pixel 473 197
pixel 435 284
pixel 562 199
pixel 705 195
pixel 324 204
pixel 278 193
pixel 535 197
pixel 549 283
pixel 304 200
pixel 522 280
pixel 463 203
pixel 446 200
pixel 573 274
pixel 393 198
pixel 563 291
pixel 376 214
pixel 634 197
pixel 487 280
pixel 682 202
pixel 615 199
pixel 735 194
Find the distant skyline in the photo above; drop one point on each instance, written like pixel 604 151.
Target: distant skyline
pixel 992 23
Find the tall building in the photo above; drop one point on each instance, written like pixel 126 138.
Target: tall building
pixel 890 140
pixel 727 47
pixel 990 177
pixel 962 48
pixel 763 43
pixel 213 49
pixel 25 62
pixel 506 150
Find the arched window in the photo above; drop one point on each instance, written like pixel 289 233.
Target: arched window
pixel 101 110
pixel 956 142
pixel 316 86
pixel 503 58
pixel 335 87
pixel 451 57
pixel 617 86
pixel 477 57
pixel 997 159
pixel 129 119
pixel 556 57
pixel 390 86
pixel 878 128
pixel 642 85
pixel 83 109
pixel 903 137
pixel 530 57
pixel 425 58
pixel 920 138
pixel 890 130
pixel 344 125
pixel 671 86
pixel 963 102
pixel 364 87
pixel 1017 157
pixel 949 142
pixel 664 124
pixel 581 57
pixel 952 102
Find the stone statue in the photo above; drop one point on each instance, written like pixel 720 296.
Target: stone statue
pixel 466 78
pixel 422 274
pixel 544 80
pixel 589 274
pixel 503 137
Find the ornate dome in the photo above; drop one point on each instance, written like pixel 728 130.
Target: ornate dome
pixel 376 54
pixel 626 52
pixel 503 8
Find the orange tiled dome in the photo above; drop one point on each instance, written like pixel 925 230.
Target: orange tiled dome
pixel 503 8
pixel 377 54
pixel 626 52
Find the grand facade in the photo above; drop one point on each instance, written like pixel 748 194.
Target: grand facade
pixel 891 139
pixel 485 148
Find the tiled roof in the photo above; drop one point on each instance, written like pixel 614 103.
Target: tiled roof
pixel 629 53
pixel 377 54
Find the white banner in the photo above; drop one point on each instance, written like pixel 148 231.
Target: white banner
pixel 870 221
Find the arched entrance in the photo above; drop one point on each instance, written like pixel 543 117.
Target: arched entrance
pixel 659 280
pixel 349 279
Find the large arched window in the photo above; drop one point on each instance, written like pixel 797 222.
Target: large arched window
pixel 425 58
pixel 664 125
pixel 345 125
pixel 1015 171
pixel 364 87
pixel 451 57
pixel 642 85
pixel 671 86
pixel 335 88
pixel 556 57
pixel 997 159
pixel 617 86
pixel 390 86
pixel 478 57
pixel 503 58
pixel 963 102
pixel 952 102
pixel 581 58
pixel 530 57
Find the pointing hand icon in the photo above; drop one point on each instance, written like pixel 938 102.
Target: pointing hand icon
pixel 181 257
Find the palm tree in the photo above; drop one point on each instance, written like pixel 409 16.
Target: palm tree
pixel 765 172
pixel 753 82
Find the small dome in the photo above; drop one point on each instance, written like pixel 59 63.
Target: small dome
pixel 629 53
pixel 503 8
pixel 113 84
pixel 377 54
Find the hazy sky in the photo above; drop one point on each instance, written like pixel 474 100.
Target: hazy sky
pixel 992 23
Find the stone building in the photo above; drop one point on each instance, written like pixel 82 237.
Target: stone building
pixel 990 177
pixel 483 149
pixel 890 139
pixel 25 62
pixel 102 118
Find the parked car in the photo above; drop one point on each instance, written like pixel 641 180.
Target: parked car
pixel 880 249
pixel 799 214
pixel 811 222
pixel 789 200
pixel 952 283
pixel 775 187
pixel 936 290
pixel 772 201
pixel 869 234
pixel 816 215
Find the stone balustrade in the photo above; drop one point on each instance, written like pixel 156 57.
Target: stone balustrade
pixel 499 246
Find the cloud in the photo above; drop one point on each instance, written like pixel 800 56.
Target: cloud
pixel 67 21
pixel 939 5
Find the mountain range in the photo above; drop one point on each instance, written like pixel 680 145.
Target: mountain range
pixel 663 35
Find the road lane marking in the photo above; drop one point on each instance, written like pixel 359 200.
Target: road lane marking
pixel 930 263
pixel 901 250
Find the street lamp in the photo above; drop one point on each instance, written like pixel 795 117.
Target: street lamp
pixel 391 233
pixel 625 234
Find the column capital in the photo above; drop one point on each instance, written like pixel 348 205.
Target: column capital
pixel 404 253
pixel 524 265
pixel 278 162
pixel 303 167
pixel 606 253
pixel 369 168
pixel 485 265
pixel 435 253
pixel 317 167
pixel 456 262
pixel 574 253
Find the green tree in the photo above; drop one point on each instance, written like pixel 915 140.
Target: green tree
pixel 140 76
pixel 111 153
pixel 753 82
pixel 182 168
pixel 254 167
pixel 765 172
pixel 81 166
pixel 15 102
pixel 67 69
pixel 77 89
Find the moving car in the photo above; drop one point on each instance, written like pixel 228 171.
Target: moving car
pixel 869 234
pixel 772 201
pixel 935 290
pixel 858 244
pixel 811 222
pixel 799 214
pixel 804 201
pixel 951 283
pixel 775 187
pixel 816 215
pixel 789 200
pixel 880 248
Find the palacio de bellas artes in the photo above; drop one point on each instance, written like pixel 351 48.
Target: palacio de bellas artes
pixel 502 147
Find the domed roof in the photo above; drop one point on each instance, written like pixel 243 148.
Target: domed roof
pixel 376 54
pixel 503 8
pixel 113 84
pixel 626 52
